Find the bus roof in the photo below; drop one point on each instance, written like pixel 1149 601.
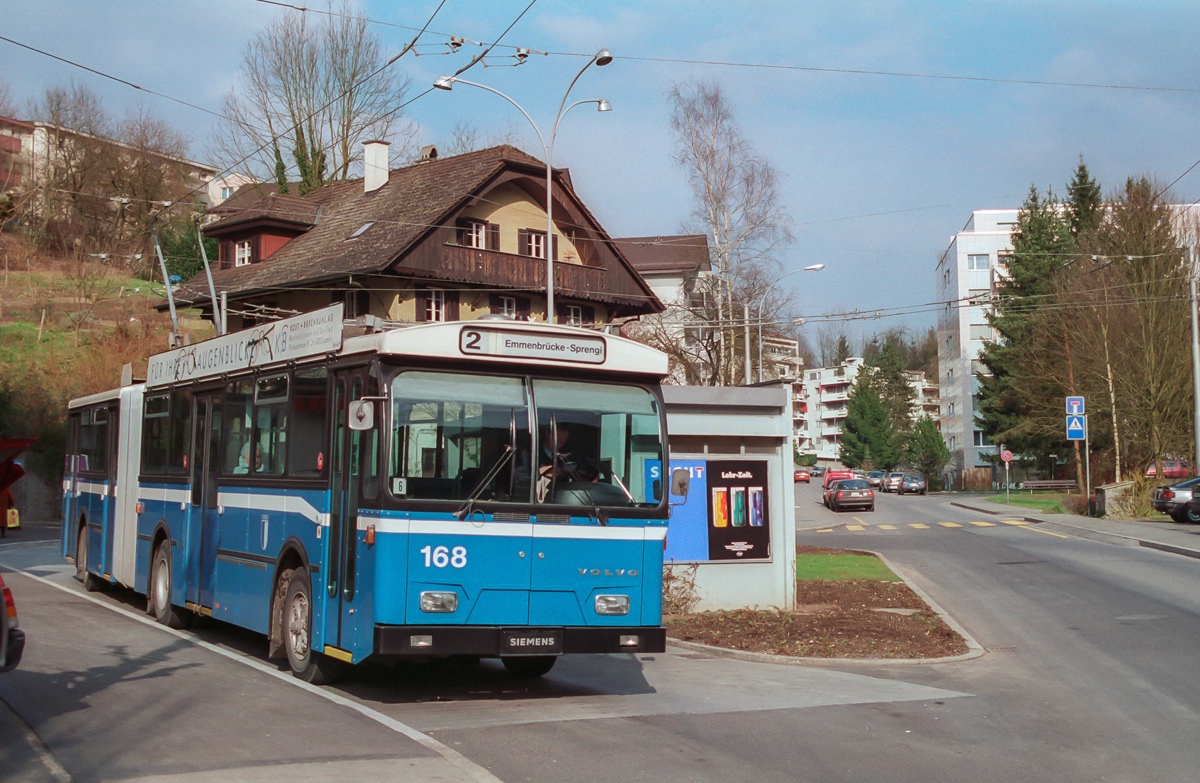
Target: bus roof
pixel 104 396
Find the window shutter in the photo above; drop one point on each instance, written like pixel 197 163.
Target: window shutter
pixel 461 235
pixel 451 300
pixel 254 254
pixel 493 236
pixel 560 314
pixel 523 242
pixel 224 255
pixel 494 303
pixel 554 247
pixel 589 315
pixel 523 307
pixel 421 303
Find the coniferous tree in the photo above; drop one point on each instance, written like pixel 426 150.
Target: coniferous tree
pixel 868 439
pixel 1084 204
pixel 892 384
pixel 926 450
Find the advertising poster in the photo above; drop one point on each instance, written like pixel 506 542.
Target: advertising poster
pixel 725 516
pixel 737 511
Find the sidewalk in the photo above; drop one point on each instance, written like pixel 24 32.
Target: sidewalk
pixel 1166 535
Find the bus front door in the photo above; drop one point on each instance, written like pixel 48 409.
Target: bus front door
pixel 347 624
pixel 202 533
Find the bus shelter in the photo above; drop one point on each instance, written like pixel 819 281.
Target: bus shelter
pixel 738 522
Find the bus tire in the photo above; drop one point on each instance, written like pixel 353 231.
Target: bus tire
pixel 91 582
pixel 158 599
pixel 306 664
pixel 529 666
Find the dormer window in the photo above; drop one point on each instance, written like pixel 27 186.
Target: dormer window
pixel 478 234
pixel 533 243
pixel 358 232
pixel 243 253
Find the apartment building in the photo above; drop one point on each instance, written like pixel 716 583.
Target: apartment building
pixel 967 273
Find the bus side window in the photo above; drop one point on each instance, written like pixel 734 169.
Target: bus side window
pixel 306 423
pixel 239 427
pixel 156 433
pixel 181 433
pixel 270 425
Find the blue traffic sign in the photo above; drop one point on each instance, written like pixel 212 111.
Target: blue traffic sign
pixel 1077 428
pixel 1075 406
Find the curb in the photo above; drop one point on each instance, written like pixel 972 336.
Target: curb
pixel 974 648
pixel 1142 542
pixel 1035 520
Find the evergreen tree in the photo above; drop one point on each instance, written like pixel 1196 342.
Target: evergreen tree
pixel 888 377
pixel 842 352
pixel 1021 394
pixel 868 439
pixel 1084 205
pixel 926 450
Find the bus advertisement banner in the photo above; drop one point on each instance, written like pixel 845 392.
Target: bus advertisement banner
pixel 726 516
pixel 308 334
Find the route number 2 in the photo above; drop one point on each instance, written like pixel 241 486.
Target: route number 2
pixel 440 556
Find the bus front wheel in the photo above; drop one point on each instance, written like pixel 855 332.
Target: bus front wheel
pixel 307 664
pixel 159 599
pixel 529 665
pixel 91 582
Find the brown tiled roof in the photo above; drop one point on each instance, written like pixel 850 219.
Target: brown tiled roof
pixel 414 200
pixel 276 206
pixel 656 255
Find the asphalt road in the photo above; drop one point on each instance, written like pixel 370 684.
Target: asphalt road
pixel 1088 677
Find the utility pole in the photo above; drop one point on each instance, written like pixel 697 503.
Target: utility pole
pixel 746 338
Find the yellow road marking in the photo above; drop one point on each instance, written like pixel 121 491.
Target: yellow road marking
pixel 854 527
pixel 1014 522
pixel 918 525
pixel 949 524
pixel 825 530
pixel 859 521
pixel 1047 532
pixel 983 524
pixel 886 527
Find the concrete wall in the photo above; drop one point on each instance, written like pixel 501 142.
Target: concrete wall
pixel 739 423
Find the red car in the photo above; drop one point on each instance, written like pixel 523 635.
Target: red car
pixel 802 475
pixel 12 638
pixel 1172 468
pixel 836 475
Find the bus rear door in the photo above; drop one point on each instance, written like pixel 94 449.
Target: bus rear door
pixel 202 532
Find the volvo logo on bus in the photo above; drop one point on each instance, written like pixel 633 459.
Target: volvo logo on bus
pixel 608 572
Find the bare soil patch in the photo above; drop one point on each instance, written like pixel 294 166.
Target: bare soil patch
pixel 833 619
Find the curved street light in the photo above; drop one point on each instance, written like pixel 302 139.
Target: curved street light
pixel 600 58
pixel 762 300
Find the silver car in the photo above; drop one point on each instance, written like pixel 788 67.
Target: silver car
pixel 891 482
pixel 1173 500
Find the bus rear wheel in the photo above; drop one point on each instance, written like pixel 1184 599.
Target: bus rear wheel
pixel 307 664
pixel 158 599
pixel 528 666
pixel 91 582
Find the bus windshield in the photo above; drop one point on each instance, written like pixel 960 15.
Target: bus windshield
pixel 457 436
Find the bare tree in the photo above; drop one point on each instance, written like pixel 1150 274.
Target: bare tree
pixel 8 106
pixel 466 137
pixel 308 95
pixel 738 205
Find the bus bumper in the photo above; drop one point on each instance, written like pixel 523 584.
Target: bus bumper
pixel 486 641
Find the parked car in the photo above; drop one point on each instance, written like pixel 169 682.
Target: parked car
pixel 891 482
pixel 12 638
pixel 802 474
pixel 1172 468
pixel 835 475
pixel 817 471
pixel 913 484
pixel 851 493
pixel 874 477
pixel 1175 500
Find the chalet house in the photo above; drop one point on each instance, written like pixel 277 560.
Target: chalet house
pixel 454 238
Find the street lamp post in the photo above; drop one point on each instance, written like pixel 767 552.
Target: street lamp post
pixel 600 58
pixel 763 299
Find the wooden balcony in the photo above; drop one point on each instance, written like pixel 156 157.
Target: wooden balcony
pixel 490 267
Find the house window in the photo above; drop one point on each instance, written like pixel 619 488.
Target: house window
pixel 435 305
pixel 242 254
pixel 357 303
pixel 981 439
pixel 950 410
pixel 978 263
pixel 507 305
pixel 533 243
pixel 478 234
pixel 953 442
pixel 226 192
pixel 574 315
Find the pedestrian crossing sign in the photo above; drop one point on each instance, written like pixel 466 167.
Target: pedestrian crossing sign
pixel 1077 428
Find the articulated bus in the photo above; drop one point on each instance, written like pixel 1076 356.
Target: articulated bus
pixel 486 488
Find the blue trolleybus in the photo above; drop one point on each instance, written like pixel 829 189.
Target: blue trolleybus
pixel 485 488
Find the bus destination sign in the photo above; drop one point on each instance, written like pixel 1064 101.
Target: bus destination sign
pixel 517 344
pixel 307 334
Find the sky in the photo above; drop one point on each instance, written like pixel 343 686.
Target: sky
pixel 877 171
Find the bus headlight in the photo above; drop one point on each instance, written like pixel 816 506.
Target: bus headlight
pixel 432 601
pixel 612 604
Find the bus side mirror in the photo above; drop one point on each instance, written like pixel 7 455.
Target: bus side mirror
pixel 362 415
pixel 681 479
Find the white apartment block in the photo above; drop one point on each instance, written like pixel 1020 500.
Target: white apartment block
pixel 966 277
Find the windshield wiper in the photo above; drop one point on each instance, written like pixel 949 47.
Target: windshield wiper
pixel 624 489
pixel 468 506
